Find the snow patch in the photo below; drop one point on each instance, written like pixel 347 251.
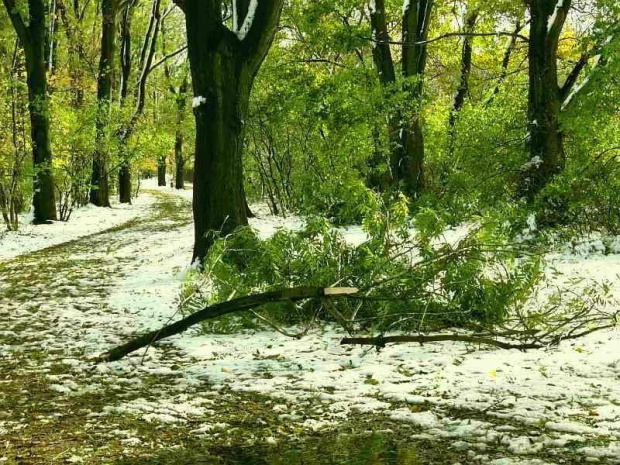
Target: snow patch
pixel 197 101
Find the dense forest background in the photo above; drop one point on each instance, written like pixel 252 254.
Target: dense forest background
pixel 351 104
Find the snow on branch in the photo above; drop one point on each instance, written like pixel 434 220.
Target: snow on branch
pixel 242 32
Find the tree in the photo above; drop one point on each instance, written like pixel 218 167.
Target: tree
pixel 546 145
pixel 146 60
pixel 99 193
pixel 224 63
pixel 32 38
pixel 407 143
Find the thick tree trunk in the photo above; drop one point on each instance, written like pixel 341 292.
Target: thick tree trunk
pixel 44 196
pixel 219 200
pixel 223 65
pixel 99 194
pixel 544 103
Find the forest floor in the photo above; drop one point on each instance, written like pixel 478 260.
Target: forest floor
pixel 259 397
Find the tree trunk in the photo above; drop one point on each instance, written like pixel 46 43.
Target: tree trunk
pixel 124 173
pixel 181 100
pixel 44 195
pixel 179 182
pixel 99 194
pixel 545 136
pixel 416 19
pixel 124 183
pixel 32 37
pixel 161 171
pixel 219 202
pixel 224 64
pixel 384 63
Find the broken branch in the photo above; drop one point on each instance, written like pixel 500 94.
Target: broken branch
pixel 224 308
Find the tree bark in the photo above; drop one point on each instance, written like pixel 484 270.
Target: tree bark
pixel 124 173
pixel 161 171
pixel 181 101
pixel 224 308
pixel 416 19
pixel 546 145
pixel 223 64
pixel 384 63
pixel 99 193
pixel 32 37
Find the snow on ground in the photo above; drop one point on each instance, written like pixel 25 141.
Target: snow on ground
pixel 495 406
pixel 83 222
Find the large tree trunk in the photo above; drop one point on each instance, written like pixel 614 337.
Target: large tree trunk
pixel 219 202
pixel 100 194
pixel 544 103
pixel 32 37
pixel 223 65
pixel 416 19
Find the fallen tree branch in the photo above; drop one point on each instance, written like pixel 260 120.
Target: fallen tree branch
pixel 381 341
pixel 224 308
pixel 540 343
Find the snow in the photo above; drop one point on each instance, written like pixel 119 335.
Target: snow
pixel 534 162
pixel 234 16
pixel 247 22
pixel 197 101
pixel 83 222
pixel 554 16
pixel 563 400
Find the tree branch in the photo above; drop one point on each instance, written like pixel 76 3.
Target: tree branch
pixel 261 33
pixel 381 341
pixel 18 23
pixel 224 308
pixel 448 35
pixel 571 79
pixel 167 57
